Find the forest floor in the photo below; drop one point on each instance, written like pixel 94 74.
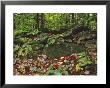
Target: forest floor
pixel 65 65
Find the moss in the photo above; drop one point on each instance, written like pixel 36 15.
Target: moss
pixel 64 49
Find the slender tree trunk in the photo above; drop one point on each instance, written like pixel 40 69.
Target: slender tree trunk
pixel 73 18
pixel 37 21
pixel 42 21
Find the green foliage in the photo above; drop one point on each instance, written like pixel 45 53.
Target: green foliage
pixel 83 60
pixel 64 49
pixel 54 43
pixel 23 23
pixel 22 51
pixel 78 67
pixel 58 71
pixel 59 20
pixel 29 35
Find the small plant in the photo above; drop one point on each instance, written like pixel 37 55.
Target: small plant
pixel 56 69
pixel 23 51
pixel 83 60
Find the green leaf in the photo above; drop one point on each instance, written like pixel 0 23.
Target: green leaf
pixel 78 67
pixel 57 73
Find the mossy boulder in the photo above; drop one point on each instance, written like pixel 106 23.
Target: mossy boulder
pixel 65 49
